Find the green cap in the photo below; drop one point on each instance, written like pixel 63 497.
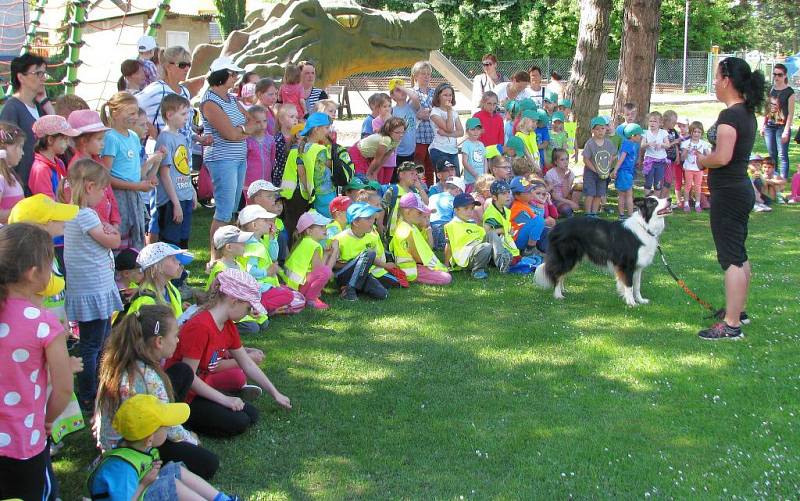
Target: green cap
pixel 516 144
pixel 558 116
pixel 527 104
pixel 532 114
pixel 513 108
pixel 473 123
pixel 355 184
pixel 373 185
pixel 597 121
pixel 632 130
pixel 551 96
pixel 544 117
pixel 566 103
pixel 492 151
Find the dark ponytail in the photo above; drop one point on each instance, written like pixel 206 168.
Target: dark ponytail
pixel 750 84
pixel 22 247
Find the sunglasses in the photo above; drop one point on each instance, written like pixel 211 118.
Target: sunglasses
pixel 183 65
pixel 489 63
pixel 779 74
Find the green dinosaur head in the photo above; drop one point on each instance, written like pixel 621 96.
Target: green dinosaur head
pixel 341 38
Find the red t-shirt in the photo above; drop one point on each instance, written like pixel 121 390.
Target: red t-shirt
pixel 492 128
pixel 200 338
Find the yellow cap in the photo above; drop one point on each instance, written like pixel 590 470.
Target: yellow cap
pixel 54 286
pixel 142 415
pixel 41 209
pixel 297 129
pixel 395 82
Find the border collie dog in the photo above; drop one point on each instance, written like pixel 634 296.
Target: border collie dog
pixel 626 248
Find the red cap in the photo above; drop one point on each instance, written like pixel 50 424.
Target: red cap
pixel 340 204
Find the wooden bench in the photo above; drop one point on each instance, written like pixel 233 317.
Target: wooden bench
pixel 339 94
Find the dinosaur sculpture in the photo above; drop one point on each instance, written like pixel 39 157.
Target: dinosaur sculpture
pixel 341 38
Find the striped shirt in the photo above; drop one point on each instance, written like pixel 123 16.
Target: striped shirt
pixel 150 101
pixel 313 97
pixel 424 128
pixel 221 148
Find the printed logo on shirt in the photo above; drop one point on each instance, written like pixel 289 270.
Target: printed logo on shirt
pixel 181 160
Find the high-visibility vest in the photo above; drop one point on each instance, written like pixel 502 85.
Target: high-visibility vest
pixel 517 208
pixel 463 236
pixel 257 249
pixel 300 262
pixel 491 212
pixel 173 294
pixel 402 256
pixel 290 178
pixel 350 246
pixel 142 462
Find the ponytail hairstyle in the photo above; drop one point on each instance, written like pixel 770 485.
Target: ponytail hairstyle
pixel 22 246
pixel 782 67
pixel 131 341
pixel 9 134
pixel 115 104
pixel 127 68
pixel 81 173
pixel 750 84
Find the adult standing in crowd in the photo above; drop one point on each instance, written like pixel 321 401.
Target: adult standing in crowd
pixel 225 120
pixel 312 95
pixel 485 81
pixel 421 74
pixel 777 130
pixel 515 90
pixel 536 87
pixel 732 197
pixel 174 67
pixel 556 84
pixel 28 102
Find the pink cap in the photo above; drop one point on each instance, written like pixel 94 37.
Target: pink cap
pixel 86 121
pixel 412 201
pixel 49 125
pixel 248 90
pixel 309 219
pixel 240 285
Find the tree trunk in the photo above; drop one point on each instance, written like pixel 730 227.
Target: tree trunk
pixel 637 60
pixel 589 66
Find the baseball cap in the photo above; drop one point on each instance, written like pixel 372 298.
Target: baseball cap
pixel 464 200
pixel 498 187
pixel 296 129
pixel 620 130
pixel 309 219
pixel 373 185
pixel 597 121
pixel 520 185
pixel 531 114
pixel 755 157
pixel 407 166
pixel 339 204
pixel 126 260
pixel 86 121
pixel 513 108
pixel 473 123
pixel 154 253
pixel 317 119
pixel 444 164
pixel 683 120
pixel 142 415
pixel 632 130
pixel 224 63
pixel 551 96
pixel 543 116
pixel 230 234
pixel 395 82
pixel 566 103
pixel 558 116
pixel 49 125
pixel 358 210
pixel 492 151
pixel 457 182
pixel 413 201
pixel 241 285
pixel 527 104
pixel 146 42
pixel 355 184
pixel 515 144
pixel 252 212
pixel 41 209
pixel 260 185
pixel 248 90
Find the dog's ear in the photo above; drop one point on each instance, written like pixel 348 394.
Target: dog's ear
pixel 640 203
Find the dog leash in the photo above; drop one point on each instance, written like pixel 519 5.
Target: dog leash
pixel 715 313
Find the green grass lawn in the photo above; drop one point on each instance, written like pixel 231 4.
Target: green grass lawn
pixel 496 390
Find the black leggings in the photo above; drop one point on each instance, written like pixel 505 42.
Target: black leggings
pixel 212 419
pixel 28 478
pixel 197 459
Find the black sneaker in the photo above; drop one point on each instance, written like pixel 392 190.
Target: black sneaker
pixel 743 318
pixel 250 392
pixel 349 294
pixel 721 330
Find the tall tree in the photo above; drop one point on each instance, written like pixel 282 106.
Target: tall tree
pixel 589 65
pixel 230 15
pixel 637 60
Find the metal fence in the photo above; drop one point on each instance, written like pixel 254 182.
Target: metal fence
pixel 668 73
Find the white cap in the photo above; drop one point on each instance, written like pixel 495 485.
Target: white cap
pixel 683 120
pixel 146 43
pixel 229 234
pixel 458 182
pixel 260 185
pixel 252 212
pixel 224 63
pixel 154 253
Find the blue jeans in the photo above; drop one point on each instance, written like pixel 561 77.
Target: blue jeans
pixel 533 230
pixel 777 150
pixel 228 179
pixel 437 155
pixel 93 337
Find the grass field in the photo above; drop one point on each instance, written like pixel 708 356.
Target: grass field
pixel 496 390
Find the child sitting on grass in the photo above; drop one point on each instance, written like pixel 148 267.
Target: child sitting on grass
pixel 466 246
pixel 497 223
pixel 444 170
pixel 441 208
pixel 528 225
pixel 411 244
pixel 561 181
pixel 308 268
pixel 267 195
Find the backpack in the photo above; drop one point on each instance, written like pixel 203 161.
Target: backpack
pixel 394 191
pixel 342 167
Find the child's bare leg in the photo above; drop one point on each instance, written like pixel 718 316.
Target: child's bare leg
pixel 597 204
pixel 196 486
pixel 187 494
pixel 621 204
pixel 629 201
pixel 587 204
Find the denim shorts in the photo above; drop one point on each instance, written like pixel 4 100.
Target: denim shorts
pixel 164 485
pixel 593 186
pixel 228 179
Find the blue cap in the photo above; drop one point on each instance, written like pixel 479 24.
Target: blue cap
pixel 620 130
pixel 360 210
pixel 318 119
pixel 558 116
pixel 633 130
pixel 597 121
pixel 464 200
pixel 498 187
pixel 520 185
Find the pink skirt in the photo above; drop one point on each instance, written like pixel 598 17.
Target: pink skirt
pixel 359 161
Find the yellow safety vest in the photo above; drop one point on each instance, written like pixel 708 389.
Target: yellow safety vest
pixel 463 236
pixel 350 246
pixel 402 255
pixel 174 295
pixel 396 209
pixel 300 262
pixel 290 178
pixel 260 251
pixel 491 212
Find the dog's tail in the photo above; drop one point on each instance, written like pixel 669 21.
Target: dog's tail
pixel 541 277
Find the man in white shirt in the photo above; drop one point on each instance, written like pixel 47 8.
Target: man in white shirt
pixel 515 90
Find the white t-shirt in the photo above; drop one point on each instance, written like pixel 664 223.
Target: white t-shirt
pixel 702 147
pixel 502 93
pixel 659 152
pixel 442 143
